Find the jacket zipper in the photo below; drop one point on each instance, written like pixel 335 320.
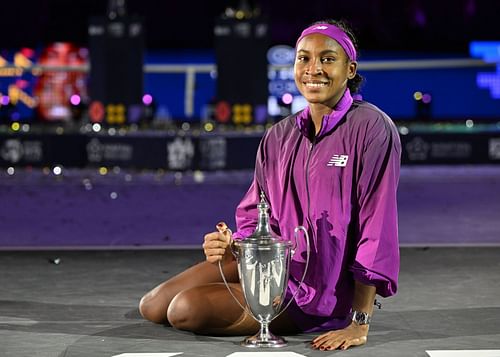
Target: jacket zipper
pixel 307 186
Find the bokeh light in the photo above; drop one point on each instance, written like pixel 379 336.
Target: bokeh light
pixel 57 170
pixel 198 176
pixel 147 99
pixel 426 98
pixel 403 130
pixel 75 99
pixel 208 127
pixel 287 98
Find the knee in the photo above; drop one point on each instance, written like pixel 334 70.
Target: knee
pixel 184 313
pixel 152 310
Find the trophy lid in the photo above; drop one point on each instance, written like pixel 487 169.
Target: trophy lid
pixel 262 235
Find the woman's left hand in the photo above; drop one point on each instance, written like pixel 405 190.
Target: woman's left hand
pixel 352 335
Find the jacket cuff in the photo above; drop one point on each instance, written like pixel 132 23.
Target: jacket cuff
pixel 242 234
pixel 385 287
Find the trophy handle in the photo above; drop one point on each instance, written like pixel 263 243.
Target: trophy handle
pixel 222 228
pixel 231 292
pixel 308 246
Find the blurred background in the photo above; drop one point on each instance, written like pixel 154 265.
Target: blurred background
pixel 135 123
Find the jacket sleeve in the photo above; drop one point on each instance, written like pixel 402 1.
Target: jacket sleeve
pixel 376 260
pixel 246 211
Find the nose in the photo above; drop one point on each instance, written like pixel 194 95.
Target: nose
pixel 315 67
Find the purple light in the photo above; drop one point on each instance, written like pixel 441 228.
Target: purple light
pixel 470 8
pixel 287 98
pixel 83 52
pixel 419 18
pixel 147 99
pixel 4 100
pixel 75 99
pixel 135 113
pixel 260 113
pixel 426 98
pixel 22 83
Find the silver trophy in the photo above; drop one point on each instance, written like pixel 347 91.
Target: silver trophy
pixel 263 269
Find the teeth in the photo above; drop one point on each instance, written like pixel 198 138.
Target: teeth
pixel 315 85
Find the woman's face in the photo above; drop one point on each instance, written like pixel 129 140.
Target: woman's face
pixel 322 69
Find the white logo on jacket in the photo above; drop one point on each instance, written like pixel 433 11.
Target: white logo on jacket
pixel 338 160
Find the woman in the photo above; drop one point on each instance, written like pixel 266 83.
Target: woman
pixel 333 168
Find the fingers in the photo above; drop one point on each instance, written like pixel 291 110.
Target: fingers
pixel 224 230
pixel 214 258
pixel 337 340
pixel 214 246
pixel 221 227
pixel 328 341
pixel 353 342
pixel 341 344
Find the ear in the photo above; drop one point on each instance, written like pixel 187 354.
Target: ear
pixel 351 69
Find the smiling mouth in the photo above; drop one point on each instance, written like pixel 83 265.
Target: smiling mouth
pixel 315 84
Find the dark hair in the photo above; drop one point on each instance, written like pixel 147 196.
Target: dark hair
pixel 354 84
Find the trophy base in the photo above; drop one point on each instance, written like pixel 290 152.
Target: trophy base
pixel 264 341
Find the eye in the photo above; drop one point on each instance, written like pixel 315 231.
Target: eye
pixel 328 59
pixel 302 58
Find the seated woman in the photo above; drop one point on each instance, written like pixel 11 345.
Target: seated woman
pixel 333 168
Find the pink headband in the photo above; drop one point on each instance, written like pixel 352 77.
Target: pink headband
pixel 333 32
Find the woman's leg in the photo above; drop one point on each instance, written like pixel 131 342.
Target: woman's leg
pixel 154 305
pixel 210 309
pixel 197 301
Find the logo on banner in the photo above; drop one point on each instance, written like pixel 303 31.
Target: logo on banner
pixel 494 149
pixel 180 153
pixel 417 149
pixel 98 151
pixel 14 150
pixel 451 150
pixel 213 153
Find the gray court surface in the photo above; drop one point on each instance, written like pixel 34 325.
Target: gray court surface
pixel 84 303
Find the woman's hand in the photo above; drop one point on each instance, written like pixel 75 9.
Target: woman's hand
pixel 217 244
pixel 352 335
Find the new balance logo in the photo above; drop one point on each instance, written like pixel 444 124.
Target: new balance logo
pixel 338 160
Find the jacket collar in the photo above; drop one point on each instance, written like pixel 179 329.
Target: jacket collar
pixel 303 119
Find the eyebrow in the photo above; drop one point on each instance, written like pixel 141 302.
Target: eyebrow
pixel 321 53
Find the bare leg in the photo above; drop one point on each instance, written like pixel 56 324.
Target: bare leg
pixel 196 300
pixel 154 305
pixel 210 309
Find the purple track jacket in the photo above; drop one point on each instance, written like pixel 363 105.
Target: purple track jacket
pixel 341 186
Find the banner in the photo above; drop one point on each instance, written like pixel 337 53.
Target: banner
pixel 212 152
